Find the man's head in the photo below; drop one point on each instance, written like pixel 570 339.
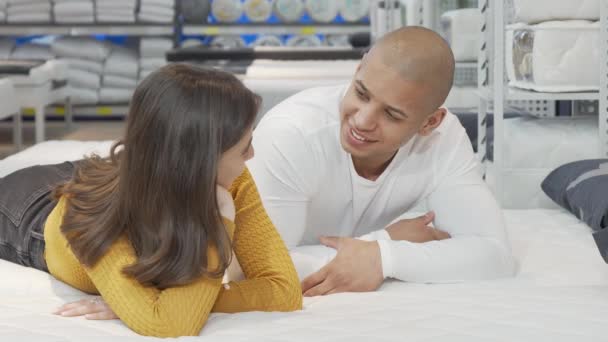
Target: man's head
pixel 396 93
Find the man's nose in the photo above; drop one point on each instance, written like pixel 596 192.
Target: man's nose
pixel 365 119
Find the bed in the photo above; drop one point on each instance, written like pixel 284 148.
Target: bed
pixel 560 293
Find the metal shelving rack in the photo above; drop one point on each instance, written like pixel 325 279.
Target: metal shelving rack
pixel 426 16
pixel 174 30
pixel 494 91
pixel 135 29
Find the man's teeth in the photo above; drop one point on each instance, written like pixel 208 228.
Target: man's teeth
pixel 357 136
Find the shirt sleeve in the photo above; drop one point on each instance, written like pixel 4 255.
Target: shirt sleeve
pixel 271 282
pixel 466 209
pixel 285 170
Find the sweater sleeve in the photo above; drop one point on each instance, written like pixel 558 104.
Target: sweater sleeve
pixel 271 282
pixel 176 311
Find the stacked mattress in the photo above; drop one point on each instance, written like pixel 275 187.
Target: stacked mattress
pixel 85 57
pixel 461 29
pixel 554 46
pixel 120 75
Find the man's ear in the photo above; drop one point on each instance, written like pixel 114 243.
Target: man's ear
pixel 432 122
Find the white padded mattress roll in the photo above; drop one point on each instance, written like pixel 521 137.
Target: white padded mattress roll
pixel 535 11
pixel 302 70
pixel 553 56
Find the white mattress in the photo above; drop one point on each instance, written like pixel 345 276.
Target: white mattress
pixel 554 56
pixel 560 293
pixel 310 69
pixel 543 10
pixel 273 91
pixel 51 152
pixel 277 80
pixel 461 29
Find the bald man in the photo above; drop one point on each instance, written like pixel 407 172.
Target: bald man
pixel 337 166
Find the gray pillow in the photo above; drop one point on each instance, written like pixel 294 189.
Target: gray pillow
pixel 581 187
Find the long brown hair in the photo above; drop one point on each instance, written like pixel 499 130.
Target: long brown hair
pixel 158 187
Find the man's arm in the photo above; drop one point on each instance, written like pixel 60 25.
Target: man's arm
pixel 477 249
pixel 309 259
pixel 284 170
pixel 464 208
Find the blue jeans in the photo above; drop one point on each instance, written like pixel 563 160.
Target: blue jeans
pixel 25 203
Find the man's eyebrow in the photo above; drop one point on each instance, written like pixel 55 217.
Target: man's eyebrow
pixel 360 84
pixel 389 108
pixel 398 111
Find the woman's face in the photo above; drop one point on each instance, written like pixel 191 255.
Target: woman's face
pixel 232 162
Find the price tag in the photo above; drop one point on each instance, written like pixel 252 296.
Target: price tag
pixel 308 30
pixel 211 31
pixel 104 110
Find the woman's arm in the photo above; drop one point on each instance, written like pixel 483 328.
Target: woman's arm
pixel 271 282
pixel 176 311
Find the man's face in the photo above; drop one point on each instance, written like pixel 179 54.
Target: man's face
pixel 380 112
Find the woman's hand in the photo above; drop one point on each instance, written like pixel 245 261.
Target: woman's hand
pixel 90 308
pixel 225 203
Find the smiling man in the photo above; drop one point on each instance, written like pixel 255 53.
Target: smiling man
pixel 348 161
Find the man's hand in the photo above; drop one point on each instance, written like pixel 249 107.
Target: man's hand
pixel 416 230
pixel 357 267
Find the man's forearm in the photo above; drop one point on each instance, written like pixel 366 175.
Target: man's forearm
pixel 446 261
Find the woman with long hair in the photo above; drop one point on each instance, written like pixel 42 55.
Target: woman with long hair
pixel 153 227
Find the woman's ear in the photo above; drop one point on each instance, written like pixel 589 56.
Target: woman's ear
pixel 432 122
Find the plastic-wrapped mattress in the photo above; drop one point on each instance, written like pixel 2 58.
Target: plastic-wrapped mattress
pixel 555 56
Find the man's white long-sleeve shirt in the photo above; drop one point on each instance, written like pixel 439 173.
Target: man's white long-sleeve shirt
pixel 310 188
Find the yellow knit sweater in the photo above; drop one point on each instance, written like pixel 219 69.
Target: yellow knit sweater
pixel 271 282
